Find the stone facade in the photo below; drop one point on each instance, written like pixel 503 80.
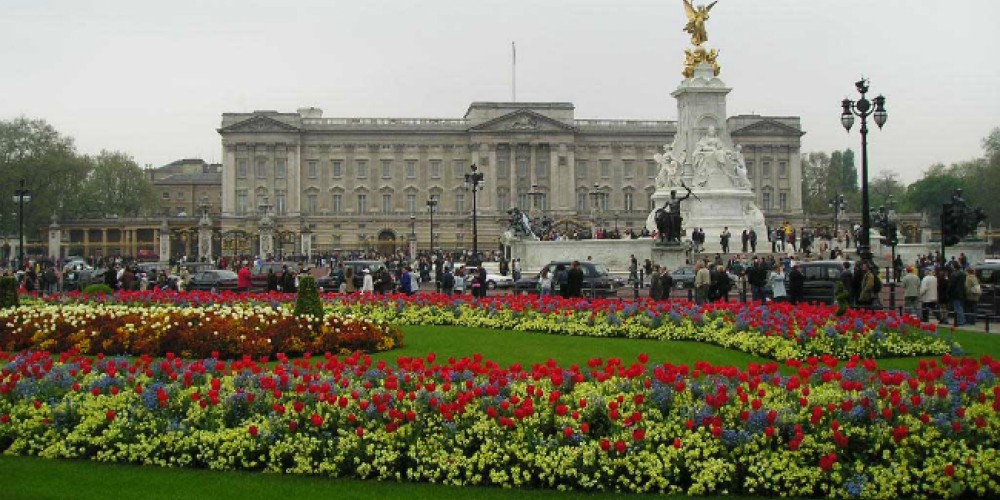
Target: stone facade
pixel 354 182
pixel 182 185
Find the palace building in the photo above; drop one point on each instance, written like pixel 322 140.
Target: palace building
pixel 349 183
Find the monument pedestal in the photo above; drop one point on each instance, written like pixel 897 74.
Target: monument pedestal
pixel 671 256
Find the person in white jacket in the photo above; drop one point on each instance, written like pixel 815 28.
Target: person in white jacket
pixel 929 296
pixel 367 284
pixel 777 281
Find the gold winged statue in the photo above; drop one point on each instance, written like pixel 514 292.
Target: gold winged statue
pixel 696 21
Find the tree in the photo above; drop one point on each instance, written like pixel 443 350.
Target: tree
pixel 117 186
pixel 849 173
pixel 884 185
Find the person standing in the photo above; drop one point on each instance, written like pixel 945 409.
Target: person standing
pixel 929 296
pixel 777 281
pixel 956 293
pixel 561 281
pixel 757 277
pixel 367 283
pixel 744 240
pixel 655 285
pixel 796 285
pixel 447 282
pixel 272 281
pixel 517 269
pixel 973 291
pixel 460 281
pixel 702 282
pixel 753 241
pixel 666 282
pixel 866 290
pixel 721 284
pixel 243 279
pixel 406 281
pixel 574 279
pixel 544 282
pixel 633 269
pixel 911 292
pixel 724 239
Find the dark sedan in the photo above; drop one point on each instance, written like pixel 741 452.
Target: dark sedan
pixel 596 280
pixel 215 280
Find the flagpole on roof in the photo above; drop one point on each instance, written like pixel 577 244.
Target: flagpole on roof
pixel 513 72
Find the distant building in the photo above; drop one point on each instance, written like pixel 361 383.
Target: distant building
pixel 355 182
pixel 183 185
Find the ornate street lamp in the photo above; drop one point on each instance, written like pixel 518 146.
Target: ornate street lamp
pixel 474 183
pixel 21 196
pixel 432 204
pixel 863 108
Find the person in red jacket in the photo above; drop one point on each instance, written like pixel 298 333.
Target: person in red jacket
pixel 243 279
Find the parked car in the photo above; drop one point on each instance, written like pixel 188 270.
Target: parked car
pixel 358 266
pixel 989 279
pixel 596 279
pixel 258 274
pixel 78 279
pixel 215 279
pixel 684 277
pixel 821 278
pixel 494 280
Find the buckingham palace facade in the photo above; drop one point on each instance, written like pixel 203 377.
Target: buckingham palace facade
pixel 350 183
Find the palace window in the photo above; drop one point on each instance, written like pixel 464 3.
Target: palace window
pixel 313 171
pixel 362 166
pixel 766 196
pixel 458 168
pixel 542 169
pixel 166 195
pixel 581 201
pixel 750 169
pixel 522 201
pixel 522 168
pixel 279 202
pixel 605 169
pixel 241 202
pixel 411 169
pixel 261 172
pixel 281 168
pixel 627 169
pixel 338 169
pixel 651 169
pixel 241 168
pixel 435 169
pixel 627 202
pixel 782 169
pixel 362 203
pixel 766 170
pixel 503 201
pixel 386 203
pixel 337 204
pixel 460 202
pixel 581 169
pixel 783 201
pixel 386 169
pixel 411 203
pixel 311 204
pixel 503 169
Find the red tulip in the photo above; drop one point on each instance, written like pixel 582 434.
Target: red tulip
pixel 253 430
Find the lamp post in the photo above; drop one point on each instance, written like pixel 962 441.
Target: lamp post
pixel 863 108
pixel 432 204
pixel 891 233
pixel 21 196
pixel 474 183
pixel 838 204
pixel 413 236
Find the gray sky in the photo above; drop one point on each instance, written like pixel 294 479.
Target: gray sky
pixel 152 77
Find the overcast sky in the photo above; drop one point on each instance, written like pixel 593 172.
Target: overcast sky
pixel 152 78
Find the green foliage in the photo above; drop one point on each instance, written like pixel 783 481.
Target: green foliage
pixel 98 289
pixel 307 302
pixel 8 292
pixel 843 299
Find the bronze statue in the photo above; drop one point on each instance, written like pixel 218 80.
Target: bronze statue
pixel 696 21
pixel 668 218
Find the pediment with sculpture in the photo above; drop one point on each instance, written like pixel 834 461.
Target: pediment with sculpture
pixel 521 121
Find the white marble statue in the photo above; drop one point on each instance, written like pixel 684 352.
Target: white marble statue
pixel 709 157
pixel 671 167
pixel 741 179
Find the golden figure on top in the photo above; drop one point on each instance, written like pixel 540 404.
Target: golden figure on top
pixel 696 21
pixel 697 55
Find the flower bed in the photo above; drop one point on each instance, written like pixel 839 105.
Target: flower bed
pixel 777 331
pixel 831 428
pixel 228 330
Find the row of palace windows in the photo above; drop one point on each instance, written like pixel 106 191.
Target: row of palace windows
pixel 337 169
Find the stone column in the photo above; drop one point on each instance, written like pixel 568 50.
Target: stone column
pixel 104 242
pixel 307 237
pixel 164 242
pixel 55 240
pixel 86 242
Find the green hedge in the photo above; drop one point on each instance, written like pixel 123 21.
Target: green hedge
pixel 8 292
pixel 307 302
